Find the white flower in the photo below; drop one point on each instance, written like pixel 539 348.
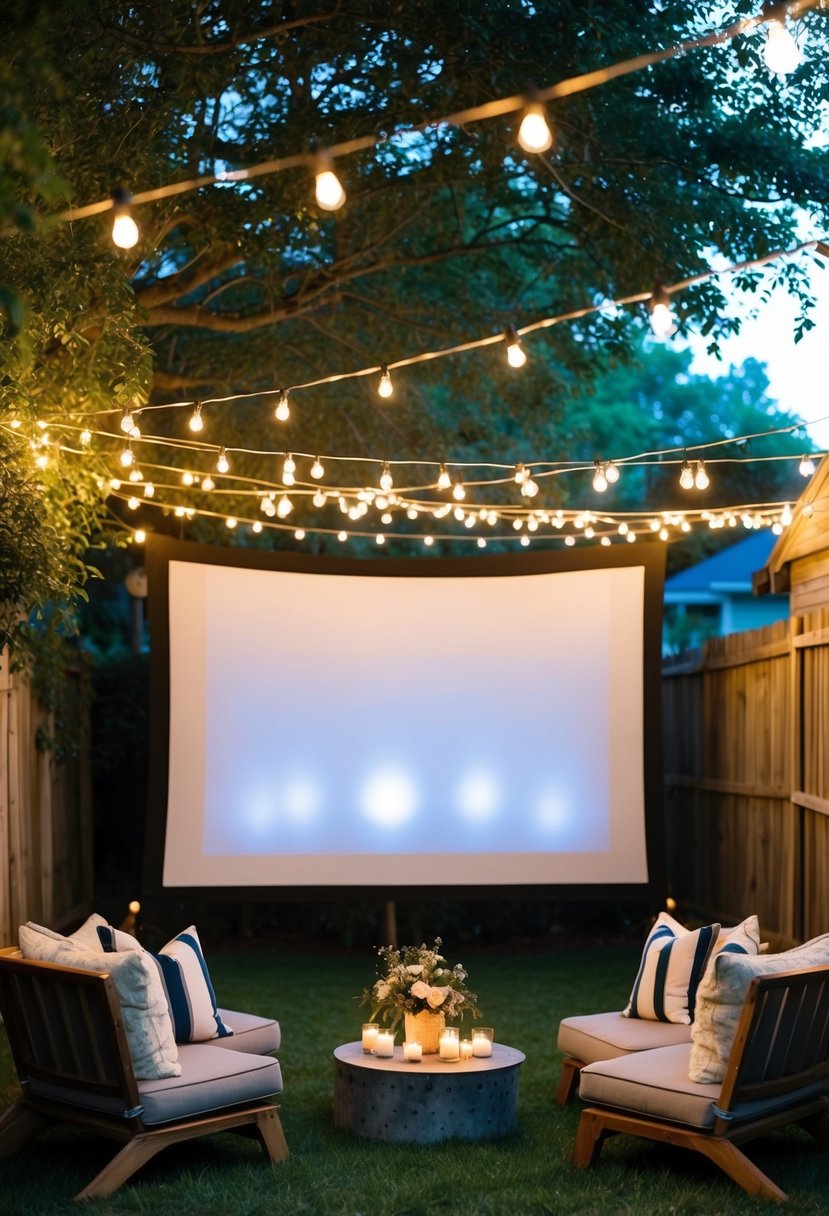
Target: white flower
pixel 420 989
pixel 381 990
pixel 415 969
pixel 436 997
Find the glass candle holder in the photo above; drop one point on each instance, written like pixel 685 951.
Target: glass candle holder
pixel 413 1052
pixel 370 1032
pixel 482 1038
pixel 466 1049
pixel 385 1045
pixel 449 1044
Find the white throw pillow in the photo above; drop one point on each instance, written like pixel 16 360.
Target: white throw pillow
pixel 740 939
pixel 721 997
pixel 146 1018
pixel 673 963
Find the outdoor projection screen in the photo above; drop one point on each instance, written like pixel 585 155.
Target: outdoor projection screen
pixel 330 723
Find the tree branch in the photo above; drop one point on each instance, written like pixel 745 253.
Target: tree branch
pixel 217 48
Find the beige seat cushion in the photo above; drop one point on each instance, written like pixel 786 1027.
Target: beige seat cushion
pixel 261 1036
pixel 656 1084
pixel 606 1036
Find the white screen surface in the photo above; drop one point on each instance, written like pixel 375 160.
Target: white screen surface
pixel 344 730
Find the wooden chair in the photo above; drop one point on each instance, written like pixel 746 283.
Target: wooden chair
pixel 72 1058
pixel 776 1075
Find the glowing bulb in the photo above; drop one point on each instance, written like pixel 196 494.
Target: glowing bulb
pixel 525 540
pixel 806 467
pixel 283 411
pixel 319 499
pixel 662 319
pixel 114 483
pixel 136 474
pixel 569 541
pixel 534 134
pixel 518 524
pixel 86 436
pixel 380 538
pixel 599 479
pixel 127 422
pixel 133 504
pixel 127 457
pixel 208 483
pixel 386 480
pixel 630 537
pixel 777 528
pixel 284 506
pixel 299 534
pixel 611 472
pixel 187 479
pixel 139 537
pixel 516 355
pixel 686 476
pixel 701 478
pixel 411 513
pixel 256 526
pixel 444 480
pixel 428 541
pixel 458 492
pixel 781 53
pixel 623 528
pixel 385 388
pixel 532 524
pixel 317 471
pixel 196 422
pixel 459 514
pixel 605 541
pixel 42 460
pixel 16 423
pixel 786 516
pixel 327 186
pixel 385 518
pixel 124 227
pixel 231 522
pixel 481 542
pixel 149 490
pixel 342 536
pixel 663 533
pixel 520 475
pixel 222 463
pixel 288 470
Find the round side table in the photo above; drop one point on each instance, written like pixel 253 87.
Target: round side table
pixel 403 1103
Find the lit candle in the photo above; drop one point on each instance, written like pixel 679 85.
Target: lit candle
pixel 370 1032
pixel 466 1049
pixel 385 1044
pixel 413 1052
pixel 482 1042
pixel 448 1046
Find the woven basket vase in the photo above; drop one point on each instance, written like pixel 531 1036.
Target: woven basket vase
pixel 425 1028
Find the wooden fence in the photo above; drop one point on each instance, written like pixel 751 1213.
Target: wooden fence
pixel 45 817
pixel 746 748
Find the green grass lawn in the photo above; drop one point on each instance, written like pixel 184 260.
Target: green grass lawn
pixel 523 996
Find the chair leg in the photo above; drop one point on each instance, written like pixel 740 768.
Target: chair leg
pixel 568 1080
pixel 18 1126
pixel 738 1167
pixel 133 1155
pixel 589 1139
pixel 271 1135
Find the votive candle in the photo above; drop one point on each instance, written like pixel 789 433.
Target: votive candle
pixel 413 1052
pixel 466 1049
pixel 448 1046
pixel 385 1044
pixel 482 1042
pixel 370 1032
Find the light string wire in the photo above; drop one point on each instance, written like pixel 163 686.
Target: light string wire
pixel 491 109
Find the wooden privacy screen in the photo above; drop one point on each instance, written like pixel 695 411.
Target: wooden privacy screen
pixel 45 817
pixel 746 738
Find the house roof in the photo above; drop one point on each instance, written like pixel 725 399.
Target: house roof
pixel 729 570
pixel 807 534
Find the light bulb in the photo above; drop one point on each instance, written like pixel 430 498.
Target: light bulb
pixel 256 526
pixel 663 533
pixel 569 541
pixel 283 411
pixel 662 319
pixel 777 528
pixel 124 227
pixel 327 186
pixel 686 476
pixel 411 513
pixel 386 480
pixel 781 53
pixel 222 463
pixel 317 471
pixel 516 355
pixel 139 536
pixel 284 506
pixel 623 528
pixel 518 524
pixel 532 524
pixel 208 483
pixel 380 538
pixel 385 388
pixel 127 422
pixel 428 541
pixel 599 479
pixel 786 516
pixel 701 478
pixel 85 437
pixel 529 488
pixel 481 542
pixel 342 536
pixel 136 474
pixel 534 134
pixel 444 480
pixel 149 489
pixel 231 522
pixel 525 540
pixel 319 499
pixel 299 534
pixel 187 479
pixel 611 472
pixel 385 518
pixel 806 467
pixel 459 514
pixel 196 422
pixel 469 522
pixel 520 475
pixel 16 423
pixel 127 457
pixel 133 503
pixel 605 541
pixel 630 537
pixel 458 492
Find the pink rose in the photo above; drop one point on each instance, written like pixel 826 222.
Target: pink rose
pixel 420 990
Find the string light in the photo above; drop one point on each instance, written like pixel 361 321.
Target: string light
pixel 85 435
pixel 444 480
pixel 599 478
pixel 196 422
pixel 124 227
pixel 288 470
pixel 207 483
pixel 663 323
pixel 701 478
pixel 127 456
pixel 428 541
pixel 386 480
pixel 283 411
pixel 299 534
pixel 534 134
pixel 458 492
pixel 136 474
pixel 284 507
pixel 806 467
pixel 686 476
pixel 780 53
pixel 317 470
pixel 516 355
pixel 231 522
pixel 127 423
pixel 149 489
pixel 133 503
pixel 611 472
pixel 328 188
pixel 319 499
pixel 342 536
pixel 222 462
pixel 385 388
pixel 139 536
pixel 256 526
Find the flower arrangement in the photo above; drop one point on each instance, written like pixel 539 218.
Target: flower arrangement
pixel 417 979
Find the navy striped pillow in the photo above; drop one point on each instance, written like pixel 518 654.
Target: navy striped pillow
pixel 673 963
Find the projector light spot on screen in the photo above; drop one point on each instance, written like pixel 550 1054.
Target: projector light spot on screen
pixel 478 797
pixel 388 799
pixel 551 814
pixel 301 800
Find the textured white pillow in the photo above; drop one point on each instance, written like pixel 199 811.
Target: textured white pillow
pixel 673 962
pixel 146 1018
pixel 740 939
pixel 721 996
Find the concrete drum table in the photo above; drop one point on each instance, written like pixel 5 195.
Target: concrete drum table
pixel 403 1103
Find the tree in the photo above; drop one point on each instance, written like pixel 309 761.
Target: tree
pixel 448 233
